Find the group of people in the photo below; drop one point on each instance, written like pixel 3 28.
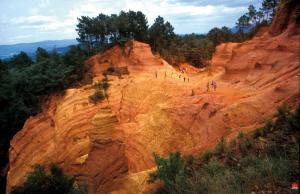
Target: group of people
pixel 179 76
pixel 213 85
pixel 183 70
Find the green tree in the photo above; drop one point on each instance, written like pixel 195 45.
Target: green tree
pixel 269 9
pixel 38 181
pixel 123 25
pixel 172 171
pixel 84 30
pixel 20 60
pixel 3 68
pixel 112 27
pixel 41 54
pixel 138 25
pixel 100 29
pixel 218 36
pixel 260 16
pixel 74 59
pixel 161 34
pixel 243 23
pixel 252 14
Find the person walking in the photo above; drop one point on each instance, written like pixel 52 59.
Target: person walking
pixel 207 87
pixel 215 85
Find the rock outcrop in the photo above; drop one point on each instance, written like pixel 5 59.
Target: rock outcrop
pixel 108 146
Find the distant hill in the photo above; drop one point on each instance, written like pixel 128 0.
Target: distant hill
pixel 61 46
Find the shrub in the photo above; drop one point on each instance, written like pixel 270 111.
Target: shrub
pixel 241 135
pixel 97 96
pixel 262 131
pixel 171 171
pixel 282 116
pixel 206 155
pixel 232 143
pixel 294 120
pixel 221 147
pixel 116 71
pixel 104 84
pixel 213 168
pixel 100 92
pixel 39 182
pixel 110 69
pixel 273 169
pixel 245 145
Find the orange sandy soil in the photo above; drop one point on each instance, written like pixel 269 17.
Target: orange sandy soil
pixel 108 146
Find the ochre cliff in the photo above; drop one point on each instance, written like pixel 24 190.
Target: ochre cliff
pixel 108 146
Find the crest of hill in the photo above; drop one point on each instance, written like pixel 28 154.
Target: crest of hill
pixel 136 56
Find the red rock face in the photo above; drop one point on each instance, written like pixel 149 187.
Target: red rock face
pixel 287 17
pixel 109 146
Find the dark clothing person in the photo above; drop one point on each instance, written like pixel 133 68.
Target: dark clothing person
pixel 215 86
pixel 207 87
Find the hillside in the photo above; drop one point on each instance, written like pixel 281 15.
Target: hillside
pixel 108 146
pixel 61 46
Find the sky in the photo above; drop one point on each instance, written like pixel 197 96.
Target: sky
pixel 36 20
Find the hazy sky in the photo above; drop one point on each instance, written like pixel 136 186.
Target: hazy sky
pixel 35 20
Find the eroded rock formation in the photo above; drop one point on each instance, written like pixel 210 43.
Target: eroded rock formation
pixel 108 146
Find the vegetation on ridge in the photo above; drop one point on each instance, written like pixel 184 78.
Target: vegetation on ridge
pixel 25 83
pixel 40 182
pixel 100 91
pixel 103 31
pixel 264 160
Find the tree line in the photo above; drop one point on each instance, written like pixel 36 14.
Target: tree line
pixel 97 32
pixel 264 15
pixel 103 31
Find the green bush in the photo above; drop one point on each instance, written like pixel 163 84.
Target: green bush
pixel 100 92
pixel 98 95
pixel 221 147
pixel 206 155
pixel 172 171
pixel 111 69
pixel 104 84
pixel 26 83
pixel 273 169
pixel 263 131
pixel 282 116
pixel 39 182
pixel 245 145
pixel 241 135
pixel 294 120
